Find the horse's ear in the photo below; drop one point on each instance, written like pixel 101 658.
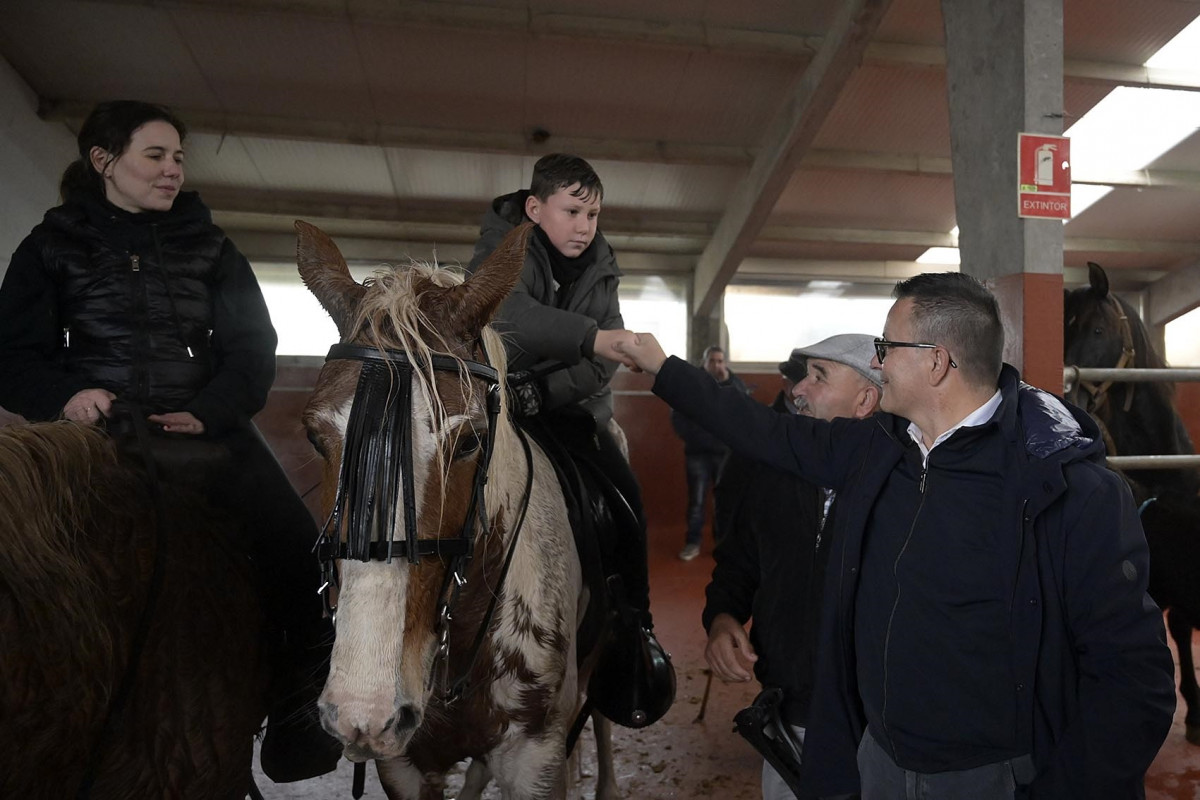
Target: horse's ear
pixel 479 297
pixel 1098 279
pixel 324 272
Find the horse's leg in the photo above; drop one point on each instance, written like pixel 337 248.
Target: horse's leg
pixel 1181 632
pixel 475 781
pixel 530 769
pixel 606 778
pixel 402 781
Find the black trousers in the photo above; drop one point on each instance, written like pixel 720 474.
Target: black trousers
pixel 626 555
pixel 241 479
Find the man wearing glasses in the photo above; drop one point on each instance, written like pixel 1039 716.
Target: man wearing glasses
pixel 987 632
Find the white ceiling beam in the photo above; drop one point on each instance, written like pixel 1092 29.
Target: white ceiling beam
pixel 651 231
pixel 656 152
pixel 1173 295
pixel 918 164
pixel 72 113
pixel 785 144
pixel 1099 72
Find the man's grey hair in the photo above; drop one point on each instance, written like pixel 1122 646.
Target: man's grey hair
pixel 958 312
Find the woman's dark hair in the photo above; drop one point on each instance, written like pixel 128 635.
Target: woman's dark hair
pixel 110 126
pixel 561 171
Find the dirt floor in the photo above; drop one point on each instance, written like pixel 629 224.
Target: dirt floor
pixel 682 757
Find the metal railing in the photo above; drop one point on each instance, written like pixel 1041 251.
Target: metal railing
pixel 1072 375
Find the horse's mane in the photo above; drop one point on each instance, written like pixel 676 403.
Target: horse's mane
pixel 56 480
pixel 397 312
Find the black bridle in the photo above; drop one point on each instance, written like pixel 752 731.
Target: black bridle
pixel 377 465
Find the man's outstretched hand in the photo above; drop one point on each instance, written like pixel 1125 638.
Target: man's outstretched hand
pixel 643 353
pixel 607 345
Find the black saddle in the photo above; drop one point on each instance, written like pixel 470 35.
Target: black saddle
pixel 633 681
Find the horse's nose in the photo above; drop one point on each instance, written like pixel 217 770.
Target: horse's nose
pixel 354 723
pixel 406 720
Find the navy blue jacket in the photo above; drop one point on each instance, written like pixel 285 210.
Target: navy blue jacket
pixel 1093 679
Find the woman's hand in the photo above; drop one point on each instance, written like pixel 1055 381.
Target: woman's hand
pixel 178 422
pixel 89 406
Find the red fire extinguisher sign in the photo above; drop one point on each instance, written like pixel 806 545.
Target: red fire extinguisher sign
pixel 1044 176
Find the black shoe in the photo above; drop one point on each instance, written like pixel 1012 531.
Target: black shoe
pixel 295 747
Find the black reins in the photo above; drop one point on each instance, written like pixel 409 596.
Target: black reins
pixel 376 469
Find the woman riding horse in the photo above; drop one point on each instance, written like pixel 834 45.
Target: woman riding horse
pixel 128 291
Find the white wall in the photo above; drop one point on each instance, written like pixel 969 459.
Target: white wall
pixel 33 155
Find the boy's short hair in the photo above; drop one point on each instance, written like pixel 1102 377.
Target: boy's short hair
pixel 560 170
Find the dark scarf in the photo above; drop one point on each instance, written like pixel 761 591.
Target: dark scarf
pixel 565 270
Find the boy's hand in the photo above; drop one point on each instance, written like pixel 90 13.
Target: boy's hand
pixel 644 351
pixel 606 344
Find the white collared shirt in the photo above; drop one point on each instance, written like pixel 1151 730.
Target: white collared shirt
pixel 977 417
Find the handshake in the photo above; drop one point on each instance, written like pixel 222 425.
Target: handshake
pixel 641 352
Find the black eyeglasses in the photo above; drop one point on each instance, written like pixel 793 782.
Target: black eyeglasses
pixel 882 345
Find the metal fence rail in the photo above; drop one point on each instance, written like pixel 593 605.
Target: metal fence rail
pixel 1072 375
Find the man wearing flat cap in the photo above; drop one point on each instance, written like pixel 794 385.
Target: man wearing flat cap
pixel 770 562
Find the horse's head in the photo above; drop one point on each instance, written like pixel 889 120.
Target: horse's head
pixel 405 416
pixel 1098 329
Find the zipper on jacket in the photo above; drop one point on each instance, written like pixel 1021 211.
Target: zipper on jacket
pixel 135 262
pixel 887 637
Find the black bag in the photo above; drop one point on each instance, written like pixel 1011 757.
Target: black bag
pixel 761 725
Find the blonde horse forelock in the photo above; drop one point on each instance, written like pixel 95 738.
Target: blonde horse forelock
pixel 392 317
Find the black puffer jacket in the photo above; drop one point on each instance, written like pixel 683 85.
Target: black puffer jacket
pixel 158 307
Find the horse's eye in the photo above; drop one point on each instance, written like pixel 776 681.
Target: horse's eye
pixel 468 442
pixel 316 443
pixel 1098 331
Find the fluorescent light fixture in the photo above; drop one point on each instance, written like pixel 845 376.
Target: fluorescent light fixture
pixel 1084 195
pixel 1182 52
pixel 939 255
pixel 1131 127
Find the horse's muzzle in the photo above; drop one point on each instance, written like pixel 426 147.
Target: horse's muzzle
pixel 366 731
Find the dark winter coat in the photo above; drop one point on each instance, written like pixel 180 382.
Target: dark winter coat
pixel 770 567
pixel 696 440
pixel 1091 675
pixel 158 307
pixel 541 324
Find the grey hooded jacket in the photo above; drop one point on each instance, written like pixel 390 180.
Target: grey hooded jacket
pixel 541 328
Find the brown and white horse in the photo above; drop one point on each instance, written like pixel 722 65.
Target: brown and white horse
pixel 458 582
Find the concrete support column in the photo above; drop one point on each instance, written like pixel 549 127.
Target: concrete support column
pixel 705 330
pixel 1004 76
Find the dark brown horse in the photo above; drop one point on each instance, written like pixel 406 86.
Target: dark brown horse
pixel 83 533
pixel 1102 330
